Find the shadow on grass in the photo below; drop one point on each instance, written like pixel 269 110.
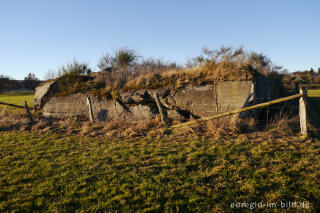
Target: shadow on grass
pixel 314 115
pixel 15 127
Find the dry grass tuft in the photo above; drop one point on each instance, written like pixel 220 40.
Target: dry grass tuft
pixel 13 121
pixel 284 124
pixel 281 124
pixel 194 76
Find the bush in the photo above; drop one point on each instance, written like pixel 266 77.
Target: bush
pixel 123 66
pixel 74 68
pixel 123 59
pixel 73 78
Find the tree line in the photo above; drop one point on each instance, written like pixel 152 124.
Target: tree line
pixel 8 84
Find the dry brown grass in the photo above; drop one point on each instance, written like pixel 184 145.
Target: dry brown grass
pixel 13 121
pixel 284 124
pixel 225 64
pixel 194 76
pixel 281 124
pixel 216 128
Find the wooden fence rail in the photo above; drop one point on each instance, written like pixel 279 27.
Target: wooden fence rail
pixel 302 111
pixel 26 107
pixel 13 105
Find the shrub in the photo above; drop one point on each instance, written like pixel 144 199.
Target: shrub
pixel 123 59
pixel 73 78
pixel 151 65
pixel 123 66
pixel 74 68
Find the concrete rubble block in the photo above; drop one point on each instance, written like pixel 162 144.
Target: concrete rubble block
pixel 174 115
pixel 44 92
pixel 234 95
pixel 142 96
pixel 126 97
pixel 66 106
pixel 144 113
pixel 200 101
pixel 163 92
pixel 103 109
pixel 106 109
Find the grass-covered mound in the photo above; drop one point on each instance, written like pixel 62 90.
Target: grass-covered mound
pixel 192 76
pixel 226 64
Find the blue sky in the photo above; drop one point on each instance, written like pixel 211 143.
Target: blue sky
pixel 38 35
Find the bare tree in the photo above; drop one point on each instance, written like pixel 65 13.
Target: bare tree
pixel 123 59
pixel 51 74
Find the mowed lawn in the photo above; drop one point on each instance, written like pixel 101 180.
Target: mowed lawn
pixel 71 173
pixel 17 98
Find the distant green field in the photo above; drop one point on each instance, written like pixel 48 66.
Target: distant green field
pixel 17 98
pixel 314 101
pixel 314 93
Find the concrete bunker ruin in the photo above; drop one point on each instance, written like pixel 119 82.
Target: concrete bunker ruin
pixel 189 102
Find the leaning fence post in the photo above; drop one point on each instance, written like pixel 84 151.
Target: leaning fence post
pixel 303 111
pixel 90 109
pixel 28 111
pixel 161 110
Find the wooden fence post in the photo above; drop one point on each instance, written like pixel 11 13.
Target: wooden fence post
pixel 303 111
pixel 28 111
pixel 90 110
pixel 161 110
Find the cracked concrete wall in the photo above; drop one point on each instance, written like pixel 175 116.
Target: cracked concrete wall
pixel 44 92
pixel 103 109
pixel 189 102
pixel 234 95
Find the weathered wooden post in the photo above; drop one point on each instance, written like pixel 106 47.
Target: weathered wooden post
pixel 303 111
pixel 90 110
pixel 162 112
pixel 28 111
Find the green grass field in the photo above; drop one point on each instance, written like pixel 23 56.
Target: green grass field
pixel 17 98
pixel 43 172
pixel 314 93
pixel 314 100
pixel 56 173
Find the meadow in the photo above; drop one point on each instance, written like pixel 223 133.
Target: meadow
pixel 43 171
pixel 17 98
pixel 314 93
pixel 40 172
pixel 314 100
